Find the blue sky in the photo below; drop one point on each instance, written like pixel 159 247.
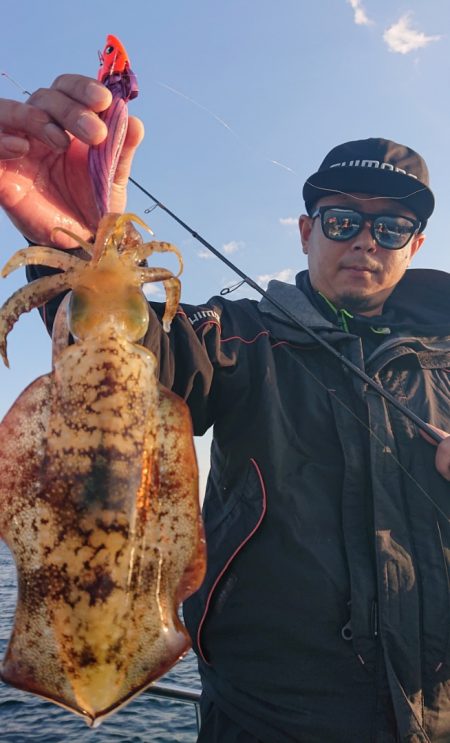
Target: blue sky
pixel 257 81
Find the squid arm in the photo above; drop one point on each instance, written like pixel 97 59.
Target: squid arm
pixel 27 298
pixel 173 291
pixel 60 331
pixel 172 285
pixel 82 243
pixel 145 250
pixel 40 255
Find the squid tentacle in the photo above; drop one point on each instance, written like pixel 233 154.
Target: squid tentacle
pixel 27 298
pixel 60 330
pixel 172 285
pixel 44 289
pixel 148 275
pixel 41 255
pixel 155 246
pixel 173 291
pixel 82 243
pixel 131 217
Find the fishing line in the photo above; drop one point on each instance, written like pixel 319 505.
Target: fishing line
pixel 199 105
pixel 14 82
pixel 226 126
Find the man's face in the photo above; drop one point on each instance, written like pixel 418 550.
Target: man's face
pixel 357 274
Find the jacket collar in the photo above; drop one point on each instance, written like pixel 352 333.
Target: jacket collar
pixel 417 311
pixel 302 309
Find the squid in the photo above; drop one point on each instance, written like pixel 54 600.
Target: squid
pixel 99 484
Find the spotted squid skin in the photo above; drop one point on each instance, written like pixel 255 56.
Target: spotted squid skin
pixel 103 531
pixel 99 506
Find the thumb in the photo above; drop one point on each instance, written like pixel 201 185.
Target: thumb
pixel 442 460
pixel 439 431
pixel 134 136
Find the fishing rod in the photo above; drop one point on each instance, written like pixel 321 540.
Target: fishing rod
pixel 287 313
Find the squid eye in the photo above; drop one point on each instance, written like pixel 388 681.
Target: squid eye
pixel 136 316
pixel 78 307
pixel 109 49
pixel 78 303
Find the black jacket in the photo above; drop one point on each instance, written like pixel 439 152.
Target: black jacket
pixel 325 614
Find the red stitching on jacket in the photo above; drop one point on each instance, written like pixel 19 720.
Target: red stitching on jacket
pixel 232 337
pixel 208 322
pixel 285 343
pixel 239 338
pixel 230 559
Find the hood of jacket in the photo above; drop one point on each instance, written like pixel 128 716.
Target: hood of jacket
pixel 419 307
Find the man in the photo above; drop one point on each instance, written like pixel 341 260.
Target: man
pixel 324 616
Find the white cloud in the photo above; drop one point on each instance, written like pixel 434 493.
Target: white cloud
pixel 359 14
pixel 205 254
pixel 401 37
pixel 288 221
pixel 228 248
pixel 233 246
pixel 153 291
pixel 286 274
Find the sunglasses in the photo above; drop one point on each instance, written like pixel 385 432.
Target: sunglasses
pixel 391 231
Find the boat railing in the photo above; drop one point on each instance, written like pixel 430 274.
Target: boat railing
pixel 178 694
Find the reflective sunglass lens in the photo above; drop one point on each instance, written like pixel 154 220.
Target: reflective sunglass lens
pixel 340 225
pixel 393 232
pixel 389 231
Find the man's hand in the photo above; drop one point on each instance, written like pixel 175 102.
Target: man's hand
pixel 442 459
pixel 44 180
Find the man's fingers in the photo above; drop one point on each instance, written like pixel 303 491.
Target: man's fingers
pixel 12 147
pixel 70 115
pixel 134 136
pixel 84 90
pixel 70 105
pixel 19 121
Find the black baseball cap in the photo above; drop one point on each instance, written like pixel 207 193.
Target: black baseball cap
pixel 374 166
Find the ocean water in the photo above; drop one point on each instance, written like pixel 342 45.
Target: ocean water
pixel 25 717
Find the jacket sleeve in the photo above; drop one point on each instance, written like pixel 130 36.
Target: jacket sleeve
pixel 200 359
